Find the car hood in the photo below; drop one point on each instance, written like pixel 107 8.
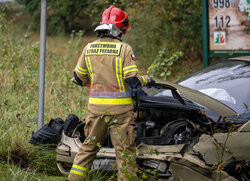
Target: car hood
pixel 209 102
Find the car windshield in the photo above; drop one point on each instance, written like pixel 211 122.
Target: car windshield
pixel 227 81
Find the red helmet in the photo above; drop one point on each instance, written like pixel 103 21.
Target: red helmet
pixel 117 17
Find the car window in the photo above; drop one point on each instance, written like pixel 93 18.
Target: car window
pixel 227 81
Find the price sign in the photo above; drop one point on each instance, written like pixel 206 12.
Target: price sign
pixel 229 27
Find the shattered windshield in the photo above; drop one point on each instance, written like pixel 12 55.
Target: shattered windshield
pixel 227 81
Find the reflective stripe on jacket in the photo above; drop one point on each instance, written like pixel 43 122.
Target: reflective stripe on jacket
pixel 105 64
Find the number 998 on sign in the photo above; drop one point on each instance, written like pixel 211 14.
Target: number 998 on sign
pixel 221 4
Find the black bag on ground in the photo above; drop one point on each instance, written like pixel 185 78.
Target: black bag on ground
pixel 49 134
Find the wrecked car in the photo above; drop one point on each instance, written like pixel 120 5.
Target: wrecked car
pixel 182 133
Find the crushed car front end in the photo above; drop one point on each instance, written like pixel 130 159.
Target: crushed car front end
pixel 177 138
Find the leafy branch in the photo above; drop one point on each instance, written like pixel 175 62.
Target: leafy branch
pixel 163 66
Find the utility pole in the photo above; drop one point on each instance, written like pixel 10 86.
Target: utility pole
pixel 205 32
pixel 42 63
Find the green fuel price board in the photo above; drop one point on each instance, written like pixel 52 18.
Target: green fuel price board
pixel 226 28
pixel 229 26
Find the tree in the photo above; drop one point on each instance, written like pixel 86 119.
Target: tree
pixel 66 15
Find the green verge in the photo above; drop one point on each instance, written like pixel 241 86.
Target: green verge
pixel 19 61
pixel 15 173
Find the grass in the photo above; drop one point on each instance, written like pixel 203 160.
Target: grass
pixel 16 173
pixel 19 60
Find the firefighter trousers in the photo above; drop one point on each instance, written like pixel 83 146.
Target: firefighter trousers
pixel 122 132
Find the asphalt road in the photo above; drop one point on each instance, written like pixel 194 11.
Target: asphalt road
pixel 6 1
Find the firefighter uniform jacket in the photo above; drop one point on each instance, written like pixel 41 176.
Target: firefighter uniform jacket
pixel 103 67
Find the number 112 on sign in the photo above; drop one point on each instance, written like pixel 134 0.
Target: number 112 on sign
pixel 222 22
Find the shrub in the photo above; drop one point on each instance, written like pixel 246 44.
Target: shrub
pixel 162 67
pixel 173 25
pixel 66 15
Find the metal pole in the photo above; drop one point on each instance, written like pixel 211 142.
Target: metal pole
pixel 42 63
pixel 205 32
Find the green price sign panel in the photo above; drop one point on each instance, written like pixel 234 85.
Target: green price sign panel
pixel 229 27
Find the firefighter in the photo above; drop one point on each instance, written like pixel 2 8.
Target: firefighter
pixel 108 66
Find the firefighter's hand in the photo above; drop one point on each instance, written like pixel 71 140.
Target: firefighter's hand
pixel 74 81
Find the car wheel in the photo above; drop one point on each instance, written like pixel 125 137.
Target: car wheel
pixel 63 167
pixel 179 131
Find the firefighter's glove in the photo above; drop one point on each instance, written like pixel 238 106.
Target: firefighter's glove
pixel 76 79
pixel 151 82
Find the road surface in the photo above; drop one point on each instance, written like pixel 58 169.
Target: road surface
pixel 6 1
